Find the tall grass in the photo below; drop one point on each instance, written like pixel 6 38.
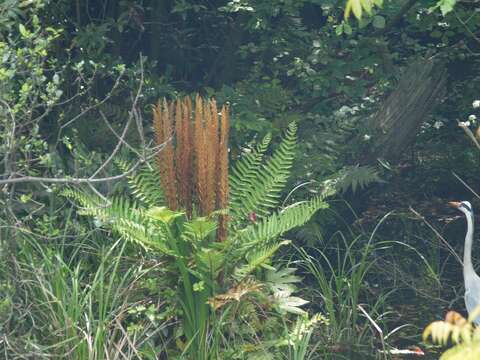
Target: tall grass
pixel 299 337
pixel 339 284
pixel 76 313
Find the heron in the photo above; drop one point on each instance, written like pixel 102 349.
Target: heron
pixel 470 277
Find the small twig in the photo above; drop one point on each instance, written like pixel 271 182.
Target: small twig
pixel 91 107
pixel 466 185
pixel 445 242
pixel 77 181
pixel 117 135
pixel 470 32
pixel 134 112
pixel 98 193
pixel 114 152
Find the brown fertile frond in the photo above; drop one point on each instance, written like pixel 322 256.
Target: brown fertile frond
pixel 196 168
pixel 180 152
pixel 167 158
pixel 187 156
pixel 222 173
pixel 170 105
pixel 160 139
pixel 211 134
pixel 200 157
pixel 158 124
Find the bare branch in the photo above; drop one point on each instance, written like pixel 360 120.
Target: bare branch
pixel 88 180
pixel 116 134
pixel 76 181
pixel 12 177
pixel 89 108
pixel 114 152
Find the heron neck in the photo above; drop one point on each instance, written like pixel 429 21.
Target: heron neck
pixel 467 254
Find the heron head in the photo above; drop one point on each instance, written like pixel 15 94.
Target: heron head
pixel 463 206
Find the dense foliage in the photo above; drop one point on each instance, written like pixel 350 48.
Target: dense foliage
pixel 218 250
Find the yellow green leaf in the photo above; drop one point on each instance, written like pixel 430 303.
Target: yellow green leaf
pixel 357 8
pixel 163 214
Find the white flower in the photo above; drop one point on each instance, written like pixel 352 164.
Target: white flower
pixel 366 137
pixel 472 118
pixel 476 104
pixel 438 124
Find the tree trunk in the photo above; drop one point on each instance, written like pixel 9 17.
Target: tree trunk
pixel 396 124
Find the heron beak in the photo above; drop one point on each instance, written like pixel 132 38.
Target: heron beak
pixel 454 204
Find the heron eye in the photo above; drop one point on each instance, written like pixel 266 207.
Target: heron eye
pixel 466 206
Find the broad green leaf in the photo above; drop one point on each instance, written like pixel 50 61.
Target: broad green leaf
pixel 348 10
pixel 363 22
pixel 291 304
pixel 357 8
pixel 201 227
pixel 378 22
pixel 163 214
pixel 447 6
pixel 347 29
pixel 23 31
pixel 466 351
pixel 210 261
pixel 339 30
pixel 367 5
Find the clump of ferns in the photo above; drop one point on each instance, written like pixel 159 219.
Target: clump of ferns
pixel 219 229
pixel 458 331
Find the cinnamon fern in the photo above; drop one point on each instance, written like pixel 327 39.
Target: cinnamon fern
pixel 216 229
pixel 193 173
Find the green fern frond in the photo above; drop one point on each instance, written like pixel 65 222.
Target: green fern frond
pixel 82 199
pixel 148 236
pixel 122 216
pixel 145 184
pixel 357 177
pixel 262 191
pixel 258 258
pixel 268 229
pixel 245 171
